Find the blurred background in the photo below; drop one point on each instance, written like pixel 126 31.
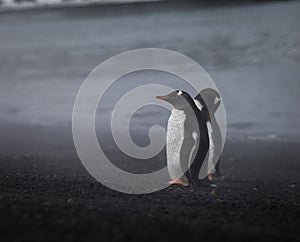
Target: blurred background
pixel 249 48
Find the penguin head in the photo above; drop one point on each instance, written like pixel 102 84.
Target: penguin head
pixel 179 99
pixel 212 99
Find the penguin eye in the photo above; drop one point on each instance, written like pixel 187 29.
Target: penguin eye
pixel 179 93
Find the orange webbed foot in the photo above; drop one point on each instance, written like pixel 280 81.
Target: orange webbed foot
pixel 178 182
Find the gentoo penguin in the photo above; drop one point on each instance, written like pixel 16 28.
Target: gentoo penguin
pixel 187 138
pixel 212 102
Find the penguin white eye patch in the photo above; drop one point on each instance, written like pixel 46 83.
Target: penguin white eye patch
pixel 217 99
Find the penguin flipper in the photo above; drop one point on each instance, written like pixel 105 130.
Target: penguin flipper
pixel 188 153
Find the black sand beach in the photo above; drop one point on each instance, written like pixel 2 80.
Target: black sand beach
pixel 252 53
pixel 50 199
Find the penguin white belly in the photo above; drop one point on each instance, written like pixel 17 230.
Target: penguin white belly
pixel 175 137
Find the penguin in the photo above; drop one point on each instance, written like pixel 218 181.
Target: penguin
pixel 188 141
pixel 212 102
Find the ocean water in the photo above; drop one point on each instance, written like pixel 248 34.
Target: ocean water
pixel 251 52
pixel 30 4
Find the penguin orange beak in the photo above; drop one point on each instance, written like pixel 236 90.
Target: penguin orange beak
pixel 161 97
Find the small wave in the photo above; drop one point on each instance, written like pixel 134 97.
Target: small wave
pixel 31 4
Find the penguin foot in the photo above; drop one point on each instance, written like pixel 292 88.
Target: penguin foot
pixel 178 182
pixel 215 177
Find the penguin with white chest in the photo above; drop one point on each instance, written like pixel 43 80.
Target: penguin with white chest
pixel 188 138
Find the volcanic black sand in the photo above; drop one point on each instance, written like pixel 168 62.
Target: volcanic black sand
pixel 55 199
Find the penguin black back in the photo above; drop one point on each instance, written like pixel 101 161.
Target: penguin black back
pixel 203 117
pixel 212 101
